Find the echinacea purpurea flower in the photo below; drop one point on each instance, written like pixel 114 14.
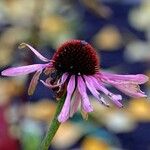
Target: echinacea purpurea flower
pixel 76 68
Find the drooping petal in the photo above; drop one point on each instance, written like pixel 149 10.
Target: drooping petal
pixel 90 84
pixel 76 102
pixel 113 97
pixel 64 78
pixel 85 100
pixel 48 70
pixel 34 82
pixel 116 99
pixel 139 78
pixel 49 85
pixel 23 70
pixel 130 87
pixel 64 114
pixel 34 51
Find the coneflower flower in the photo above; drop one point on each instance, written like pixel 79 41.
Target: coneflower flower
pixel 73 69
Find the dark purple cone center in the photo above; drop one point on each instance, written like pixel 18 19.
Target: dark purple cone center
pixel 76 57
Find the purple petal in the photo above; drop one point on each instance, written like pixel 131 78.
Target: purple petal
pixel 130 89
pixel 85 100
pixel 90 84
pixel 64 78
pixel 116 99
pixel 76 102
pixel 139 78
pixel 34 82
pixel 127 84
pixel 34 51
pixel 23 70
pixel 64 114
pixel 113 97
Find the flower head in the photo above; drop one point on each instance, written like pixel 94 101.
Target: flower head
pixel 76 68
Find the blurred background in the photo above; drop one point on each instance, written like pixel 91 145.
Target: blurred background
pixel 118 29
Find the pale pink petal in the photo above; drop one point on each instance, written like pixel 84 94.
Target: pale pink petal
pixel 23 70
pixel 59 83
pixel 64 78
pixel 113 97
pixel 34 51
pixel 91 86
pixel 116 99
pixel 85 100
pixel 76 102
pixel 34 82
pixel 139 78
pixel 49 85
pixel 130 89
pixel 64 114
pixel 129 86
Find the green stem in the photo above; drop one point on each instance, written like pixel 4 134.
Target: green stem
pixel 53 126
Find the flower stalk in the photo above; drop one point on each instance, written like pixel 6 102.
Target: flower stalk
pixel 53 126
